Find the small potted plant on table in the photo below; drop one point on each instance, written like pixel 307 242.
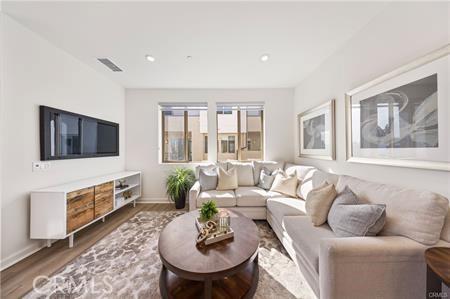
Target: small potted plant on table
pixel 178 184
pixel 207 213
pixel 208 210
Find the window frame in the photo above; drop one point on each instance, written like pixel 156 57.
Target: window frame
pixel 238 142
pixel 185 137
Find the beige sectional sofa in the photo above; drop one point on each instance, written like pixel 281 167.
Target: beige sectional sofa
pixel 390 265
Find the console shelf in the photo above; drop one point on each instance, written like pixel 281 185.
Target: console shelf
pixel 59 212
pixel 118 191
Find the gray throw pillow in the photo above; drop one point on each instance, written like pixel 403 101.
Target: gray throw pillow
pixel 348 218
pixel 207 179
pixel 266 178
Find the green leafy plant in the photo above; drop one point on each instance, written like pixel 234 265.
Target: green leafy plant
pixel 208 210
pixel 178 183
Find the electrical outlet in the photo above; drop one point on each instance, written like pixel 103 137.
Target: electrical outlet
pixel 40 166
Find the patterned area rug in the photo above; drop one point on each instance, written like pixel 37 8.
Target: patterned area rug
pixel 125 264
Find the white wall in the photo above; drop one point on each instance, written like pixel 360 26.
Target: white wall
pixel 34 73
pixel 142 131
pixel 401 33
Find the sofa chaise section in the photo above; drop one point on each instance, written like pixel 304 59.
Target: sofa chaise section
pixel 386 266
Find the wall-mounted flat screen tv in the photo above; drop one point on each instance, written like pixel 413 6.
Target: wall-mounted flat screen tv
pixel 67 135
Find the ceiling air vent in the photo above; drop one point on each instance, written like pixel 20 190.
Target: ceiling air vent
pixel 109 64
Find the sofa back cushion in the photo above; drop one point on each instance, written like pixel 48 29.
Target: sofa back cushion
pixel 418 215
pixel 244 172
pixel 314 178
pixel 269 165
pixel 300 170
pixel 209 166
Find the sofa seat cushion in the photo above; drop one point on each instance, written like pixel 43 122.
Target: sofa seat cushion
pixel 251 197
pixel 225 198
pixel 254 196
pixel 285 206
pixel 306 238
pixel 274 194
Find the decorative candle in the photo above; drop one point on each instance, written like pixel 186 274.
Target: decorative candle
pixel 224 220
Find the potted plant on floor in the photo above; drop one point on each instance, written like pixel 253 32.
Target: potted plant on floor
pixel 178 184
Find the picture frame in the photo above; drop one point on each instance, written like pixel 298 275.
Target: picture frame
pixel 317 132
pixel 401 118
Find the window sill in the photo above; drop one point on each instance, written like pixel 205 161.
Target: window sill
pixel 184 163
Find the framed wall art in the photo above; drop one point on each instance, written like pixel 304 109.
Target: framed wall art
pixel 402 118
pixel 316 129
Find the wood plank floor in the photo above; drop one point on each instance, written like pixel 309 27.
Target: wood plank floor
pixel 17 280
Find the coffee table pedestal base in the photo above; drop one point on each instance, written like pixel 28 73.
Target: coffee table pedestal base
pixel 240 285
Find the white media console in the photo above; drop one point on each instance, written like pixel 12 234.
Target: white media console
pixel 59 212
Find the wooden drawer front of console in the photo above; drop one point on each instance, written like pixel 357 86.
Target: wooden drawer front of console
pixel 104 198
pixel 80 208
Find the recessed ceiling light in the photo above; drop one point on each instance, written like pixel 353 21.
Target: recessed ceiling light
pixel 150 58
pixel 188 57
pixel 265 57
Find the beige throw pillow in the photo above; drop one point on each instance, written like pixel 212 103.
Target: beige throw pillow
pixel 244 173
pixel 318 203
pixel 228 180
pixel 285 184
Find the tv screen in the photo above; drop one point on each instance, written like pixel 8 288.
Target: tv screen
pixel 67 135
pixel 106 138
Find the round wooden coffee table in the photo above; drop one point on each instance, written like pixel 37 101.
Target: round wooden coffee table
pixel 438 270
pixel 227 269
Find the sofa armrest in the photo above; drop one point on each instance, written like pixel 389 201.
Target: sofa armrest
pixel 371 267
pixel 193 195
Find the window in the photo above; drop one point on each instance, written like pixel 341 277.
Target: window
pixel 240 131
pixel 225 111
pixel 184 132
pixel 231 144
pixel 224 145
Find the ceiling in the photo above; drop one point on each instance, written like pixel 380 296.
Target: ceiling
pixel 225 39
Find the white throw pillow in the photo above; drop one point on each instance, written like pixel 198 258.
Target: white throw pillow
pixel 228 180
pixel 285 184
pixel 318 203
pixel 244 173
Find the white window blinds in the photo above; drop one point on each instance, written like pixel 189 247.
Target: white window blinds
pixel 250 106
pixel 183 106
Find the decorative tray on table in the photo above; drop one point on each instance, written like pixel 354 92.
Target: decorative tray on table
pixel 210 232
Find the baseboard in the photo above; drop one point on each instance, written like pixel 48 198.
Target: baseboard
pixel 152 200
pixel 24 253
